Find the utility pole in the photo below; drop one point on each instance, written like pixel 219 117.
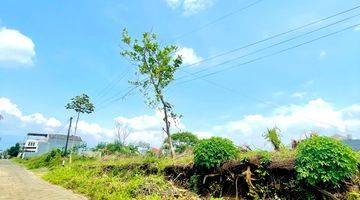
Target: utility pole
pixel 67 137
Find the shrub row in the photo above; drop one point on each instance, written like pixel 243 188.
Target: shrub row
pixel 320 160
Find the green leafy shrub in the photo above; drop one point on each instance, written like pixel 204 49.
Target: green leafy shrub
pixel 50 159
pixel 273 136
pixel 324 161
pixel 213 152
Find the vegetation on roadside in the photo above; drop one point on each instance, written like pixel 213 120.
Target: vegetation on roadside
pixel 127 177
pixel 211 153
pixel 216 168
pixel 11 152
pixel 324 161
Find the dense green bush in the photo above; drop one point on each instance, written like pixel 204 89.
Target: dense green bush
pixel 210 153
pixel 324 161
pixel 50 159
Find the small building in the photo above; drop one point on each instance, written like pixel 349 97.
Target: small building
pixel 39 143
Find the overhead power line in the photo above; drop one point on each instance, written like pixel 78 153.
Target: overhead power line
pixel 273 36
pixel 270 46
pixel 243 63
pixel 251 44
pixel 269 103
pixel 111 84
pixel 266 56
pixel 218 19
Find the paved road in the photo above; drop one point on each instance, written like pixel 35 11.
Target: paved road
pixel 16 183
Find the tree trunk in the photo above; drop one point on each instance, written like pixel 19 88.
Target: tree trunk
pixel 72 142
pixel 76 124
pixel 167 127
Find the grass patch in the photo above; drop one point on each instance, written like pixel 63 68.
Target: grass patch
pixel 118 177
pixel 266 157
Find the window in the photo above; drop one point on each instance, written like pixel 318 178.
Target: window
pixel 31 144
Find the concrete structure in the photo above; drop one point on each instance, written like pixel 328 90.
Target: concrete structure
pixel 38 143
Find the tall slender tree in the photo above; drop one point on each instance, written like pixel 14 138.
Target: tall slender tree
pixel 156 66
pixel 80 104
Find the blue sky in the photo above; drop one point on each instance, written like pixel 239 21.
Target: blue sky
pixel 50 52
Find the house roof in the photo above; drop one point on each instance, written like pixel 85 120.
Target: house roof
pixel 63 137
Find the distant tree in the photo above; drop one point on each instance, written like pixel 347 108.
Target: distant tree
pixel 14 150
pixel 99 146
pixel 80 104
pixel 1 117
pixel 156 66
pixel 182 141
pixel 122 132
pixel 273 136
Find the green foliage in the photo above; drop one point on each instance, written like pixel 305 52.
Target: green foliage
pixel 264 157
pixel 100 146
pixel 81 104
pixel 117 147
pixel 182 141
pixel 194 182
pixel 116 179
pixel 211 153
pixel 98 184
pixel 156 66
pixel 50 159
pixel 13 151
pixel 352 195
pixel 324 161
pixel 273 136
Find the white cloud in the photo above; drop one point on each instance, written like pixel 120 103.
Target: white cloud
pixel 357 28
pixel 188 55
pixel 203 134
pixel 148 128
pixel 173 3
pixel 195 6
pixel 19 123
pixel 15 121
pixel 8 108
pixel 299 95
pixel 97 132
pixel 16 49
pixel 322 54
pixel 41 119
pixel 294 121
pixel 190 7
